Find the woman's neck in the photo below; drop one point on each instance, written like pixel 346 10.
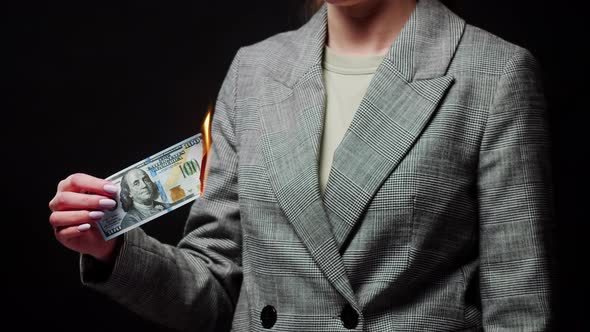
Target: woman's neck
pixel 367 28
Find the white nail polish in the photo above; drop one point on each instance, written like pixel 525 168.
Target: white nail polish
pixel 83 227
pixel 107 203
pixel 96 214
pixel 110 188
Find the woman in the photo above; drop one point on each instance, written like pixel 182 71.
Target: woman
pixel 383 168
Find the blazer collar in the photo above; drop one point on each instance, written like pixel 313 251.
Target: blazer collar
pixel 400 100
pixel 423 49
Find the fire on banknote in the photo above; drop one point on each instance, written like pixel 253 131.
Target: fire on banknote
pixel 205 144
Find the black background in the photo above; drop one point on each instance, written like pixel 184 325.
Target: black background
pixel 98 86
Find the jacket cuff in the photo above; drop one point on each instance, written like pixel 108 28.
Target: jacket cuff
pixel 107 278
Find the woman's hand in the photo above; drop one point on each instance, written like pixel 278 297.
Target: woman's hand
pixel 76 207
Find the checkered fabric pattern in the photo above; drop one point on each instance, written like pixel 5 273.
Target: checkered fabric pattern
pixel 436 213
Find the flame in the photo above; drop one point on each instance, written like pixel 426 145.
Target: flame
pixel 206 144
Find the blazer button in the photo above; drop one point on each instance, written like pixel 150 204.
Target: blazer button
pixel 349 317
pixel 268 316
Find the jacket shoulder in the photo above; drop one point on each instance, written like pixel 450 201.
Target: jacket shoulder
pixel 273 58
pixel 277 44
pixel 485 53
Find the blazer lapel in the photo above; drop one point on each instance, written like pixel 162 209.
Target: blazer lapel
pixel 291 129
pixel 400 100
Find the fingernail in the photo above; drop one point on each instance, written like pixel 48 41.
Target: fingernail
pixel 96 214
pixel 110 188
pixel 83 227
pixel 107 203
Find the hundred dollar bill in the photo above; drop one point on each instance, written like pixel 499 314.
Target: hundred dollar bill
pixel 154 187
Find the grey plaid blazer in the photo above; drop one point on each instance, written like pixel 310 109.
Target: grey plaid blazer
pixel 435 214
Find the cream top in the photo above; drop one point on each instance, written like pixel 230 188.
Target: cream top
pixel 346 79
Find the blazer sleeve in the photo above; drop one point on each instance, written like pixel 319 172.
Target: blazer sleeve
pixel 194 285
pixel 516 203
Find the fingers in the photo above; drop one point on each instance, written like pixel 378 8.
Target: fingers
pixel 81 182
pixel 60 219
pixel 65 201
pixel 67 233
pixel 76 208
